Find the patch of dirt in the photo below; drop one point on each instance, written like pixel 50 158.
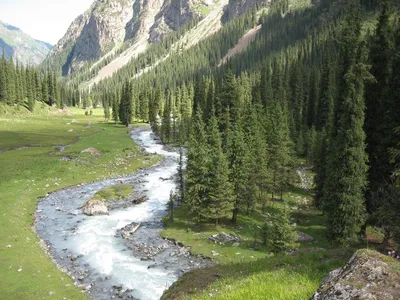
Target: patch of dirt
pixel 242 45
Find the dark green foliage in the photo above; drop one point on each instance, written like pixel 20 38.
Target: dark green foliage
pixel 125 105
pixel 219 204
pixel 239 167
pixel 382 113
pixel 347 164
pixel 196 192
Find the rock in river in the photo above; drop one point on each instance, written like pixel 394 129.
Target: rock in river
pixel 94 208
pixel 128 230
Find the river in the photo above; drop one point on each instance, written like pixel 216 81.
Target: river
pixel 90 251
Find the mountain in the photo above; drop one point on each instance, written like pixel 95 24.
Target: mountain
pixel 20 46
pixel 112 32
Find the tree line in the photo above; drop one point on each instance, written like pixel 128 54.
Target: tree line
pixel 24 85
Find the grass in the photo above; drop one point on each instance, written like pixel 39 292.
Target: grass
pixel 279 277
pixel 30 173
pixel 115 192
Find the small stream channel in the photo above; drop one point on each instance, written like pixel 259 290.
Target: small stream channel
pixel 90 249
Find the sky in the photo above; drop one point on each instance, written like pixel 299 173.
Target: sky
pixel 45 20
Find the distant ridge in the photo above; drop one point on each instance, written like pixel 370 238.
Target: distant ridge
pixel 20 46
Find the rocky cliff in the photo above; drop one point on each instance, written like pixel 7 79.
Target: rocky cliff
pixel 368 275
pixel 109 24
pixel 20 46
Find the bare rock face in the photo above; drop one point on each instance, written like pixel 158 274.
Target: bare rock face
pixel 104 29
pixel 173 15
pixel 368 275
pixel 239 7
pixel 108 23
pixel 95 208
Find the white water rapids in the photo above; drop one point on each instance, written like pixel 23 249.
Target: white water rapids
pixel 91 240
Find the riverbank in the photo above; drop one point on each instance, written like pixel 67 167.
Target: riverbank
pixel 41 153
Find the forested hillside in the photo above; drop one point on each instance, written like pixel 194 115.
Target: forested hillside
pixel 320 83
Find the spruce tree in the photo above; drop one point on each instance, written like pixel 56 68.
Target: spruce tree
pixel 347 168
pixel 220 196
pixel 125 106
pixel 239 167
pixel 381 113
pixel 196 192
pixel 3 79
pixel 143 106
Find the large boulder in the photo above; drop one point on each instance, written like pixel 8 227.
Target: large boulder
pixel 94 208
pixel 223 238
pixel 368 275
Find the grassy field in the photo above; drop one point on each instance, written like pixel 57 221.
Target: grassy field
pixel 32 165
pixel 248 270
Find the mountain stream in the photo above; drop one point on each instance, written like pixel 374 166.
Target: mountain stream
pixel 95 255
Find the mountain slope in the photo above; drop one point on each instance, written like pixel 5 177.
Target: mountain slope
pixel 20 46
pixel 112 32
pixel 111 26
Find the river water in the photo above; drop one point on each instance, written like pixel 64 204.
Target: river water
pixel 88 247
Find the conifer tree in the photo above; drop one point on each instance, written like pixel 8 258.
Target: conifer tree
pixel 181 176
pixel 3 79
pixel 347 169
pixel 220 196
pixel 281 234
pixel 166 120
pixel 115 109
pixel 197 193
pixel 143 106
pixel 125 106
pixel 239 167
pixel 381 113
